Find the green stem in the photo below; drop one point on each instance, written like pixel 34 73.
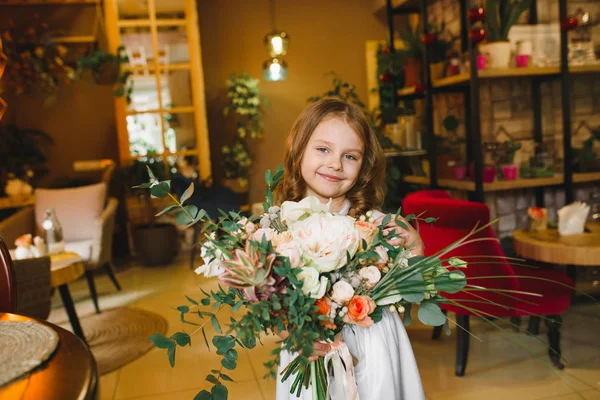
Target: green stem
pixel 313 379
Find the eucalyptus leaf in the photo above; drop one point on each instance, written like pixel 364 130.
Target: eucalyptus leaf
pixel 160 190
pixel 203 395
pixel 167 209
pixel 161 341
pixel 171 354
pixel 431 314
pixel 188 193
pixel 219 392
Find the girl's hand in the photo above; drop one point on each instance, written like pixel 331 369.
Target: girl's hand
pixel 320 349
pixel 410 238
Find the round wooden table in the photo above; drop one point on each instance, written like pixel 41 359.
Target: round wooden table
pixel 69 373
pixel 549 247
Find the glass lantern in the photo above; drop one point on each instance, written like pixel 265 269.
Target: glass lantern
pixel 275 69
pixel 277 43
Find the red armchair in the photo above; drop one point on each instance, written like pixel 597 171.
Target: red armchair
pixel 455 219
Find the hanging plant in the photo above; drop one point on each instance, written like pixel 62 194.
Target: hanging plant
pixel 35 64
pixel 107 69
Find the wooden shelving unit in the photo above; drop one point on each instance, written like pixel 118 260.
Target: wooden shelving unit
pixel 582 177
pixel 468 85
pixel 404 153
pixel 74 39
pixel 420 180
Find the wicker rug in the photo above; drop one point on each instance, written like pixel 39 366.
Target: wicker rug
pixel 117 336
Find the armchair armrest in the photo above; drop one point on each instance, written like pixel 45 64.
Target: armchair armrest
pixel 20 223
pixel 103 234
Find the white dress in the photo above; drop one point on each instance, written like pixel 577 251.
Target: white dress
pixel 386 368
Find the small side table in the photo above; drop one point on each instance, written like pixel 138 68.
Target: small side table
pixel 70 373
pixel 67 267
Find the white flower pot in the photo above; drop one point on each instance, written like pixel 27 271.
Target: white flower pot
pixel 498 54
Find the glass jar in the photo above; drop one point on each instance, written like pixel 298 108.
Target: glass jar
pixel 53 233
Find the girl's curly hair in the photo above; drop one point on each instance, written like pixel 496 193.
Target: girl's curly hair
pixel 368 191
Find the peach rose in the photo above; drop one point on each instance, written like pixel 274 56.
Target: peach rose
pixel 366 231
pixel 359 309
pixel 324 306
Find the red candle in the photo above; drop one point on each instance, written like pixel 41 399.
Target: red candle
pixel 477 35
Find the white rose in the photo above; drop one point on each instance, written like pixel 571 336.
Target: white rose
pixel 371 275
pixel 324 240
pixel 312 286
pixel 342 292
pixel 383 255
pixel 210 252
pixel 267 232
pixel 292 251
pixel 212 269
pixel 292 211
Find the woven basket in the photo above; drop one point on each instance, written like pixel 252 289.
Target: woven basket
pixel 33 287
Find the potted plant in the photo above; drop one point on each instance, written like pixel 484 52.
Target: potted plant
pixel 506 159
pixel 35 65
pixel 585 159
pixel 155 241
pixel 245 110
pixel 412 55
pixel 23 154
pixel 439 43
pixel 500 16
pixel 106 69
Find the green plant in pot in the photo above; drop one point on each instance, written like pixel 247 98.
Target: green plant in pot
pixel 412 55
pixel 23 154
pixel 500 17
pixel 586 159
pixel 155 243
pixel 506 159
pixel 107 69
pixel 245 112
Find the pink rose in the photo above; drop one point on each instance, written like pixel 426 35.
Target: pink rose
pixel 359 309
pixel 342 292
pixel 366 231
pixel 370 275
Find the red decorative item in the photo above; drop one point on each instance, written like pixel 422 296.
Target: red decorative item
pixel 420 88
pixel 385 50
pixel 569 24
pixel 477 35
pixel 476 14
pixel 429 39
pixel 387 77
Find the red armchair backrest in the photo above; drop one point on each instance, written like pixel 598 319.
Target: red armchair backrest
pixel 8 290
pixel 455 220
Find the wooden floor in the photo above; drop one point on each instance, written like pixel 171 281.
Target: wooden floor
pixel 498 369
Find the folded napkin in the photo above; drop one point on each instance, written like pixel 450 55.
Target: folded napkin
pixel 572 217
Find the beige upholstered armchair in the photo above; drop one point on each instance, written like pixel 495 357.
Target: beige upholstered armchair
pixel 87 219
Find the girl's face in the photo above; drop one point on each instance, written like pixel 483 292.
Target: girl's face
pixel 332 160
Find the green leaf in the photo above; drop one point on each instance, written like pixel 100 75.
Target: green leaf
pixel 161 341
pixel 194 302
pixel 226 378
pixel 407 316
pixel 183 309
pixel 160 190
pixel 377 314
pixel 186 215
pixel 269 177
pixel 212 379
pixel 205 339
pixel 231 355
pixel 188 193
pixel 417 288
pixel 230 226
pixel 228 364
pixel 182 339
pixel 215 323
pixel 430 220
pixel 219 392
pixel 151 174
pixel 386 220
pixel 431 314
pixel 167 209
pixel 409 217
pixel 451 282
pixel 223 343
pixel 237 306
pixel 203 395
pixel 143 185
pixel 171 354
pixel 205 301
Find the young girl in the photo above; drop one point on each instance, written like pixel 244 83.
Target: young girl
pixel 332 153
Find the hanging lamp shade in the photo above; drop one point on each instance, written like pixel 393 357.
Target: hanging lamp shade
pixel 275 69
pixel 277 43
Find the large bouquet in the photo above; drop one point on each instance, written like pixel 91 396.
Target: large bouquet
pixel 300 269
